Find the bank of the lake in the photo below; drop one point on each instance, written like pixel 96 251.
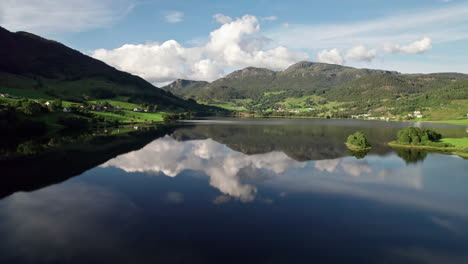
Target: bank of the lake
pixel 460 146
pixel 461 122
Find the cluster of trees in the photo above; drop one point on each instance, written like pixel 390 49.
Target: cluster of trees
pixel 13 126
pixel 417 136
pixel 31 107
pixel 358 140
pixel 171 117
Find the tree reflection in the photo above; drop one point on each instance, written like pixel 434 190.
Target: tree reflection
pixel 411 155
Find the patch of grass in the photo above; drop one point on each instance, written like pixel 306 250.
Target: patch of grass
pixel 456 109
pixel 115 103
pixel 8 100
pixel 145 117
pixel 27 93
pixel 229 107
pixel 112 116
pixel 457 142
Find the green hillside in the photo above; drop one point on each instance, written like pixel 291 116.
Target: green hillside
pixel 184 88
pixel 319 90
pixel 48 69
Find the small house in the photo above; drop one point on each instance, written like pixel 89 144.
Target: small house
pixel 66 110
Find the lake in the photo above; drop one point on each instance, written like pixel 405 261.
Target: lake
pixel 239 191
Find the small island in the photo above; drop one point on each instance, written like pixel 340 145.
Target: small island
pixel 428 139
pixel 357 142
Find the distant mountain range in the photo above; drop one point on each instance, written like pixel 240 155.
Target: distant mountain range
pixel 306 78
pixel 306 84
pixel 31 62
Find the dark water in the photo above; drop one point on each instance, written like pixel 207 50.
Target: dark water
pixel 237 191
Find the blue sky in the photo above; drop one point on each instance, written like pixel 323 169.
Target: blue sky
pixel 165 40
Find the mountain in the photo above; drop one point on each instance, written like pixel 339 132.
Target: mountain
pixel 48 67
pixel 327 88
pixel 184 88
pixel 299 79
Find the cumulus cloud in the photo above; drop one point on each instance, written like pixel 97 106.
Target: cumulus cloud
pixel 415 47
pixel 361 53
pixel 235 44
pixel 223 19
pixel 332 56
pixel 174 17
pixel 55 16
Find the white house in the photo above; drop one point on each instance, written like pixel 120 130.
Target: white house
pixel 66 110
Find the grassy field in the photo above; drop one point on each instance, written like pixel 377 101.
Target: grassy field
pixel 455 110
pixel 115 103
pixel 112 116
pixel 32 94
pixel 457 142
pixel 145 117
pixel 229 107
pixel 132 117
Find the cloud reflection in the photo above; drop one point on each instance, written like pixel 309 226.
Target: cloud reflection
pixel 237 175
pixel 63 222
pixel 228 170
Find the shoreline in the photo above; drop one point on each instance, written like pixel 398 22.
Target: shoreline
pixel 459 151
pixel 446 122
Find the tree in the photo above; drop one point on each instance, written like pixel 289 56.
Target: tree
pixel 31 107
pixel 358 140
pixel 417 136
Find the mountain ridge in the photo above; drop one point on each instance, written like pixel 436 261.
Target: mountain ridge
pixel 305 85
pixel 29 61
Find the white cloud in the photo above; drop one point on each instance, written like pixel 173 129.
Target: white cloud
pixel 220 18
pixel 235 44
pixel 332 56
pixel 361 53
pixel 442 24
pixel 54 16
pixel 269 18
pixel 174 17
pixel 415 47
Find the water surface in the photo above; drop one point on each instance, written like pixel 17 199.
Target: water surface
pixel 249 191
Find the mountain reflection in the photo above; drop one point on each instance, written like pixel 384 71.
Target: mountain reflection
pixel 237 175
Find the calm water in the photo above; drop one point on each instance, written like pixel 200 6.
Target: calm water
pixel 246 191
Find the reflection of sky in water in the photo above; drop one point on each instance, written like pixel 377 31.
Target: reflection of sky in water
pixel 199 201
pixel 239 175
